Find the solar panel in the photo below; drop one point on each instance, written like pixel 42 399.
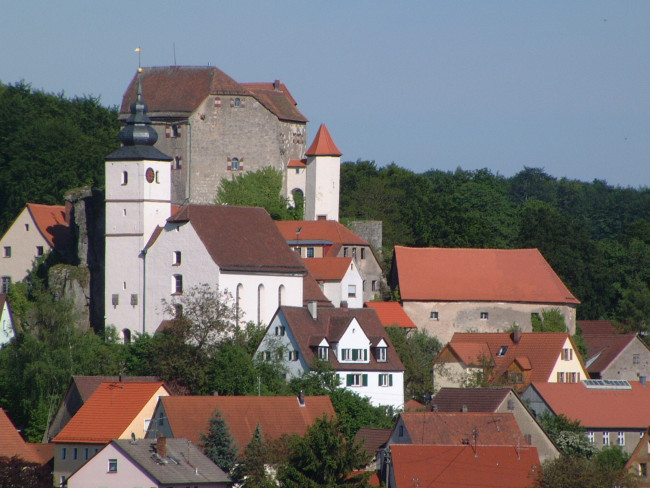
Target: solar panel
pixel 607 384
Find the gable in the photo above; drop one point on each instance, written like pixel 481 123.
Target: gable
pixel 504 275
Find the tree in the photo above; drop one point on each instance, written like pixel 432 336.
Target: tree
pixel 18 473
pixel 551 320
pixel 251 471
pixel 567 434
pixel 604 470
pixel 324 457
pixel 261 188
pixel 218 444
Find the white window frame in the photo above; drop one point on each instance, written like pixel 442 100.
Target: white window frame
pixel 352 291
pixel 310 252
pixel 177 258
pixel 591 437
pixel 323 353
pixel 605 438
pixel 112 466
pixel 620 438
pixel 381 354
pixel 385 379
pixel 177 284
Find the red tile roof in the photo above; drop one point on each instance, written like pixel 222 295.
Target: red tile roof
pixel 276 415
pixel 108 412
pixel 330 324
pixel 323 144
pixel 599 408
pixel 598 327
pixel 241 238
pixel 311 292
pixel 318 230
pixel 498 429
pixel 537 351
pixel 475 399
pixel 277 101
pixel 391 314
pixel 603 349
pixel 12 444
pixel 504 275
pixel 86 385
pixel 464 467
pixel 51 222
pixel 372 439
pixel 297 163
pixel 328 269
pixel 414 406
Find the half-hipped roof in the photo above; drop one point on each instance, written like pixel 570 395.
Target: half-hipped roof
pixel 459 274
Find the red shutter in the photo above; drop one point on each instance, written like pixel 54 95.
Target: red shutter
pixel 168 131
pixel 217 102
pixel 232 102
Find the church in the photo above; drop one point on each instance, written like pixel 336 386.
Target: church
pixel 156 251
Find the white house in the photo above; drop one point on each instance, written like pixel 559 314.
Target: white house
pixel 6 321
pixel 353 341
pixel 339 278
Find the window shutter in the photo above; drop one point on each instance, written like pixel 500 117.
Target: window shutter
pixel 232 102
pixel 349 380
pixel 229 165
pixel 241 164
pixel 365 354
pixel 217 102
pixel 390 380
pixel 364 378
pixel 178 131
pixel 355 354
pixel 168 131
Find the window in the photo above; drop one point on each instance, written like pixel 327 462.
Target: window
pixel 502 351
pixel 643 469
pixel 345 252
pixel 237 102
pixel 112 465
pixel 279 331
pixel 573 377
pixel 620 439
pixel 636 359
pixel 310 252
pixel 354 252
pixel 352 290
pixel 125 178
pixel 177 284
pixel 363 285
pixel 359 354
pixel 605 438
pixel 374 285
pixel 591 437
pixel 345 355
pixel 433 315
pixel 484 315
pixel 381 354
pixel 560 377
pixel 567 354
pixel 234 164
pixel 74 453
pixel 363 253
pixel 27 227
pixel 516 378
pixel 176 130
pixel 297 249
pixel 86 454
pixel 293 355
pixel 161 419
pixel 385 379
pixel 357 380
pixel 6 285
pixel 178 310
pixel 266 355
pixel 39 250
pixel 64 452
pixel 7 251
pixel 323 353
pixel 178 163
pixel 401 431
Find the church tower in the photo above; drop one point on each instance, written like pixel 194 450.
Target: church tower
pixel 323 178
pixel 138 199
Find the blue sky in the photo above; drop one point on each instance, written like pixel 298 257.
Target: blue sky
pixel 425 84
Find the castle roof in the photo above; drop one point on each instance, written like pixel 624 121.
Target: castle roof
pixel 461 274
pixel 323 144
pixel 277 99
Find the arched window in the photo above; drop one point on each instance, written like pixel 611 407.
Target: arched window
pixel 260 303
pixel 237 102
pixel 126 336
pixel 234 164
pixel 281 292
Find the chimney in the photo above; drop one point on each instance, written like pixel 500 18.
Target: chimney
pixel 643 380
pixel 161 445
pixel 516 335
pixel 276 85
pixel 313 309
pixel 301 398
pixel 344 304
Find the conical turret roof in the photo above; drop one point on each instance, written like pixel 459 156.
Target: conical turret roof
pixel 323 144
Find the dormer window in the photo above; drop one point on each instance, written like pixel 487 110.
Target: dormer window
pixel 381 354
pixel 502 351
pixel 360 355
pixel 323 353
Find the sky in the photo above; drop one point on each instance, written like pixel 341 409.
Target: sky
pixel 560 85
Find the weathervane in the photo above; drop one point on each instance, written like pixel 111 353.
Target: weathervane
pixel 139 50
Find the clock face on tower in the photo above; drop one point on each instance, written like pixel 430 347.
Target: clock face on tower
pixel 149 174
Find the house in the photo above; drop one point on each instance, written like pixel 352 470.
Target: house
pixel 235 249
pixel 214 127
pixel 339 279
pixel 352 341
pixel 497 400
pixel 13 445
pixel 116 410
pixel 446 290
pixel 612 412
pixel 373 441
pixel 329 238
pixel 463 466
pixel 502 358
pixel 639 461
pixel 7 331
pixel 612 354
pixel 392 314
pixel 160 463
pixel 79 390
pixel 277 415
pixel 36 231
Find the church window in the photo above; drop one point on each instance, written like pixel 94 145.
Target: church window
pixel 363 253
pixel 234 164
pixel 125 178
pixel 126 337
pixel 176 258
pixel 27 227
pixel 157 179
pixel 374 285
pixel 177 284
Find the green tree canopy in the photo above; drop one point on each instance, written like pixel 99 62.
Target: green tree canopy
pixel 218 443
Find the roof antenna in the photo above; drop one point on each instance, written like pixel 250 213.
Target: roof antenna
pixel 174 46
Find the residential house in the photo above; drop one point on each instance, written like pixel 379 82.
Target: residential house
pixel 448 290
pixel 79 390
pixel 497 400
pixel 463 466
pixel 328 238
pixel 7 330
pixel 235 249
pixel 13 445
pixel 515 359
pixel 116 410
pixel 612 412
pixel 276 415
pixel 613 354
pixel 392 314
pixel 339 279
pixel 352 341
pixel 214 127
pixel 162 463
pixel 640 460
pixel 36 231
pixel 373 441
